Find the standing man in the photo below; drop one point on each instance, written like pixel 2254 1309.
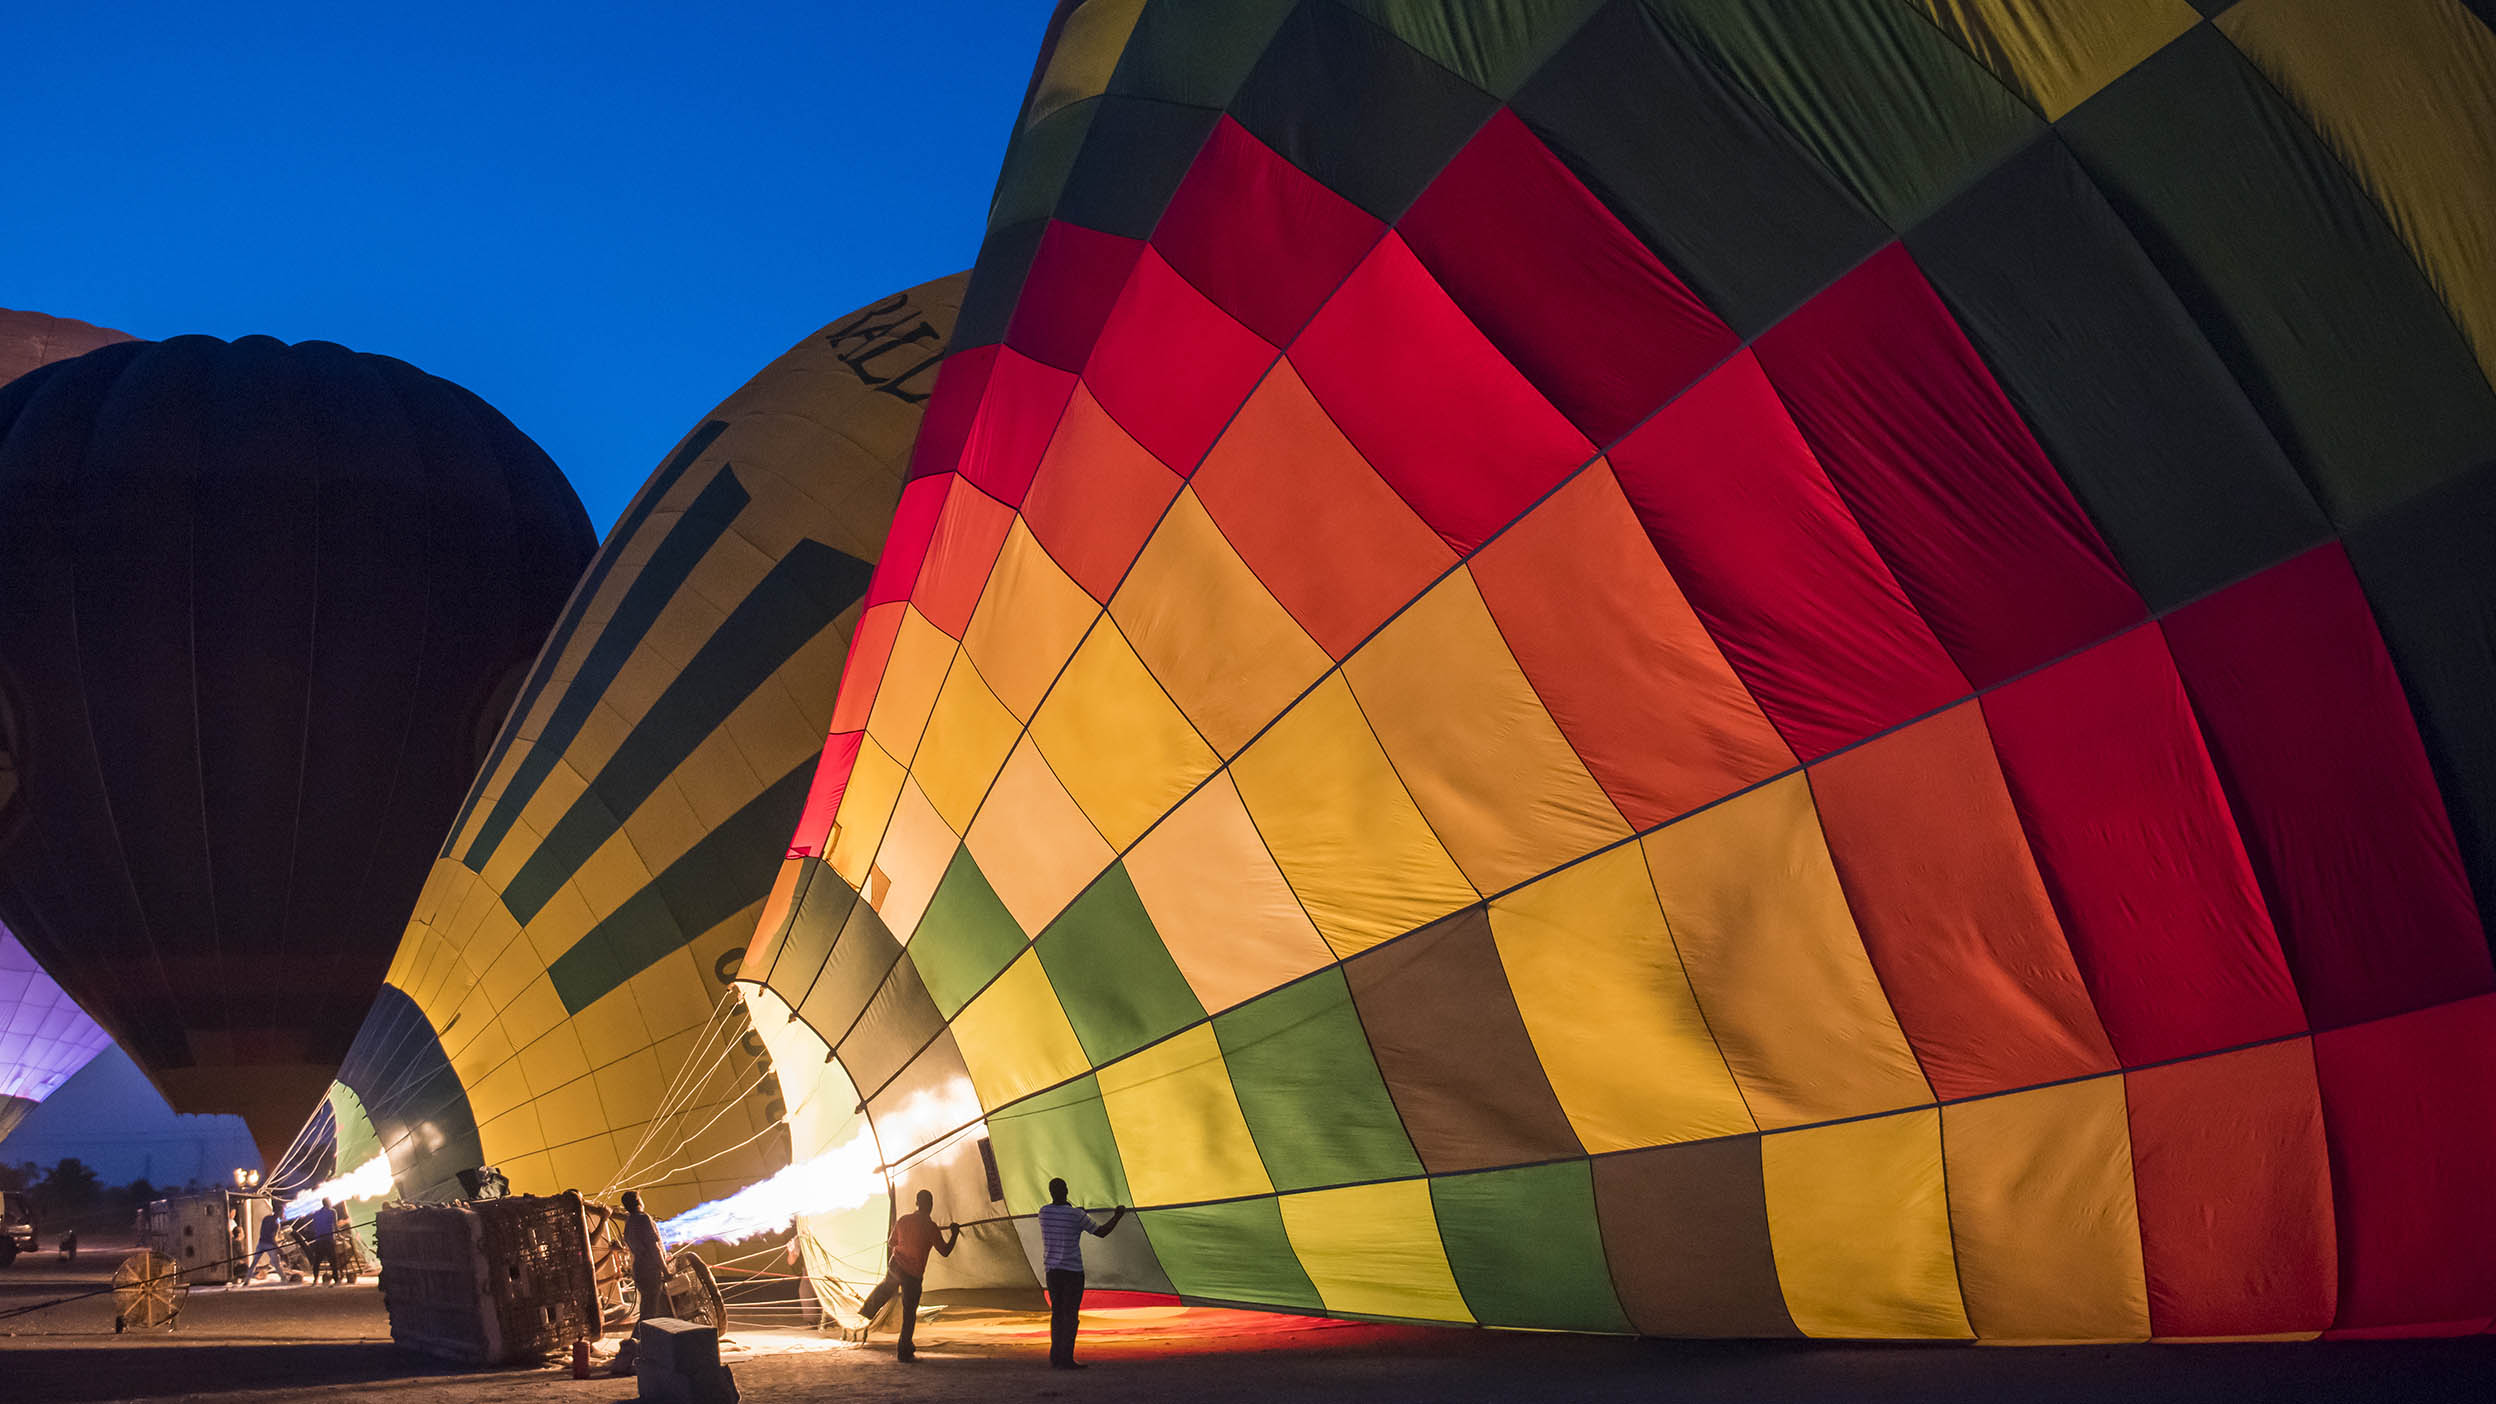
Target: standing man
pixel 905 1268
pixel 318 1228
pixel 641 1239
pixel 1062 1227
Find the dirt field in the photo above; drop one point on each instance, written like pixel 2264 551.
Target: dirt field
pixel 295 1345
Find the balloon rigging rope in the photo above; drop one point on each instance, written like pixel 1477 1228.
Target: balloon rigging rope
pixel 280 1176
pixel 402 1084
pixel 671 1173
pixel 656 1141
pixel 416 1079
pixel 663 1137
pixel 175 1276
pixel 396 1084
pixel 726 1105
pixel 699 1055
pixel 287 1174
pixel 710 1030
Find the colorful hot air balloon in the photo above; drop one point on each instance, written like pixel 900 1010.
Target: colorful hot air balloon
pixel 554 992
pixel 262 608
pixel 45 1037
pixel 1705 667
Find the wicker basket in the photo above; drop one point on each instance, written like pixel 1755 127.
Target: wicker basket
pixel 492 1282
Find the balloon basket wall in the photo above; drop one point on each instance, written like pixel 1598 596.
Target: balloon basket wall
pixel 489 1282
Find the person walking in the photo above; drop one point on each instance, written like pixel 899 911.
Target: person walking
pixel 1062 1227
pixel 905 1268
pixel 267 1249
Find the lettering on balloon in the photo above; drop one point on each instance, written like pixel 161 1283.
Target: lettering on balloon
pixel 891 347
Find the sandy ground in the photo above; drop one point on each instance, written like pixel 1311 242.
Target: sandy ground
pixel 295 1345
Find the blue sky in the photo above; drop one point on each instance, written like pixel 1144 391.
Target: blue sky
pixel 601 218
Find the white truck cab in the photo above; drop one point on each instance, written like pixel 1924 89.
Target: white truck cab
pixel 17 1225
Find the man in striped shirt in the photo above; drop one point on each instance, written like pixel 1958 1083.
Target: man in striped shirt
pixel 1062 1227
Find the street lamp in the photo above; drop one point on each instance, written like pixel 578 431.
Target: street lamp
pixel 246 1179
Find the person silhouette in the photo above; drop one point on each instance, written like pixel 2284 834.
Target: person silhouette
pixel 267 1248
pixel 1062 1227
pixel 317 1230
pixel 649 1258
pixel 905 1268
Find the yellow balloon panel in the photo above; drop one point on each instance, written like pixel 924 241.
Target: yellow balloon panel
pixel 1014 1037
pixel 1611 1013
pixel 1374 1250
pixel 1029 620
pixel 1771 949
pixel 1126 754
pixel 968 738
pixel 1179 1123
pixel 1472 742
pixel 1342 827
pixel 2405 91
pixel 918 845
pixel 912 676
pixel 866 807
pixel 2058 52
pixel 2041 1207
pixel 1859 1216
pixel 1229 654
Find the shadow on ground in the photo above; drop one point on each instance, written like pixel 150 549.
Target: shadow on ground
pixel 308 1345
pixel 159 1369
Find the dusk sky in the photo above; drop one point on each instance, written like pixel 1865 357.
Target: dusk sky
pixel 600 218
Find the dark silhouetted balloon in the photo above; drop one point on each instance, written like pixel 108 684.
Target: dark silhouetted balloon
pixel 261 610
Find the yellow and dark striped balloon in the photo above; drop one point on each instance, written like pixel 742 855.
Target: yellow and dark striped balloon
pixel 596 891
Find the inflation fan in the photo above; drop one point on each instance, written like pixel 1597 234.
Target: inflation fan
pixel 147 1291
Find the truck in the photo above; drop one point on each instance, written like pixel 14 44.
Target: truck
pixel 17 1225
pixel 202 1233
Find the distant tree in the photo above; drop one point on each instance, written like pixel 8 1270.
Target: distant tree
pixel 17 1177
pixel 70 1187
pixel 139 1191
